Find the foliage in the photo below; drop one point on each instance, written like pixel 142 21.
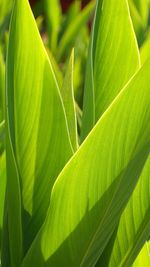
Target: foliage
pixel 74 163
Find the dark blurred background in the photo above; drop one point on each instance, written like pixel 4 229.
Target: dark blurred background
pixel 64 3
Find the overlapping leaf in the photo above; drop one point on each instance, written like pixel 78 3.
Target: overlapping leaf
pixel 92 190
pixel 143 258
pixel 140 11
pixel 113 59
pixel 143 9
pixel 13 210
pixel 36 118
pixel 134 226
pixel 56 68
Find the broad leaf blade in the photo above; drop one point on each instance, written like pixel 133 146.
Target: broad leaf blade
pixel 94 187
pixel 38 126
pixel 114 58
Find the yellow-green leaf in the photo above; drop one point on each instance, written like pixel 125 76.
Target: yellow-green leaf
pixel 143 259
pixel 36 117
pixel 95 185
pixel 67 93
pixel 113 59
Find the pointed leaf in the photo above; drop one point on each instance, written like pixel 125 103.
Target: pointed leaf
pixel 93 188
pixel 114 58
pixel 38 126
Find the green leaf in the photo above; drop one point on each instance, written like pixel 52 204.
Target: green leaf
pixel 145 50
pixel 79 119
pixel 113 59
pixel 143 8
pixel 5 254
pixel 73 29
pixel 95 185
pixel 56 68
pixel 67 93
pixel 2 86
pixel 2 101
pixel 140 16
pixel 38 126
pixel 2 129
pixel 2 137
pixel 53 16
pixel 70 15
pixel 88 117
pixel 2 192
pixel 5 7
pixel 13 218
pixel 143 258
pixel 134 226
pixel 138 23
